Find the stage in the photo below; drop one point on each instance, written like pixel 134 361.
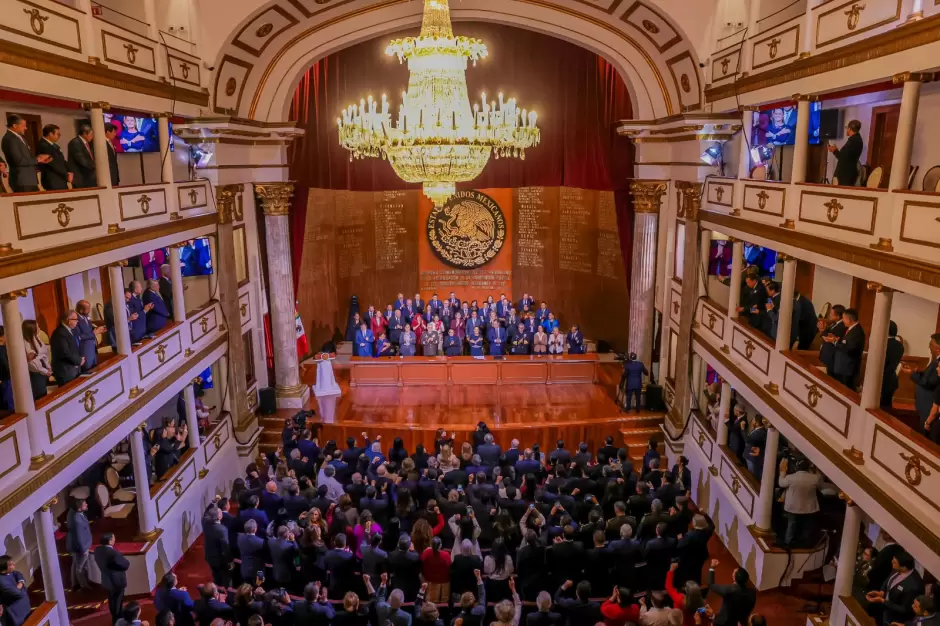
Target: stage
pixel 468 370
pixel 543 413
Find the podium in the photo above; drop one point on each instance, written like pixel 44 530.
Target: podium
pixel 326 381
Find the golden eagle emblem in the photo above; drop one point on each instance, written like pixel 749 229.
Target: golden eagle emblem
pixel 468 231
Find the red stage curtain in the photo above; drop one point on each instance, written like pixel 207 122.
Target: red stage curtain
pixel 578 95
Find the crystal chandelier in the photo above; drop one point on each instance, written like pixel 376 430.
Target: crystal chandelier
pixel 438 140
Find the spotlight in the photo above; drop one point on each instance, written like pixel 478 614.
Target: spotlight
pixel 712 156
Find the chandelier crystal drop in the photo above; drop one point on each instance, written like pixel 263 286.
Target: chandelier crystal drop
pixel 437 140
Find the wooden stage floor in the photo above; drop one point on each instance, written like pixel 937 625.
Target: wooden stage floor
pixel 530 413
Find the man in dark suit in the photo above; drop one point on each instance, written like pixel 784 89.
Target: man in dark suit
pixel 882 565
pixel 109 131
pixel 739 597
pixel 835 328
pixel 113 568
pixel 158 314
pixel 176 601
pixel 807 325
pixel 284 551
pixel 55 173
pixel 20 163
pixel 926 381
pixel 82 158
pixel 78 543
pixel 67 359
pixel 13 592
pixel 87 335
pixel 217 545
pixel 848 155
pixel 251 549
pixel 166 287
pixel 894 352
pixel 897 594
pixel 625 552
pixel 341 565
pixel 544 616
pixel 658 553
pixel 489 451
pixel 848 356
pixel 754 303
pixel 693 550
pixel 212 605
pixel 137 307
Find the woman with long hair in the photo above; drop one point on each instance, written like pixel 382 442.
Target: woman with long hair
pixel 312 550
pixel 498 567
pixel 466 454
pixel 363 531
pixel 245 604
pixel 38 359
pixel 435 569
pixel 689 600
pixel 398 453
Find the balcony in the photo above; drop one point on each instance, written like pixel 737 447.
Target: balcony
pixel 97 44
pixel 894 233
pixel 877 459
pixel 811 37
pixel 80 226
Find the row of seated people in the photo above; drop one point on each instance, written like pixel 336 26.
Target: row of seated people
pixel 453 327
pixel 72 348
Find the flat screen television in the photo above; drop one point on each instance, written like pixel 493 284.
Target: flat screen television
pixel 135 134
pixel 777 126
pixel 195 258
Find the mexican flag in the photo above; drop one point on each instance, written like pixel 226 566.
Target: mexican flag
pixel 302 348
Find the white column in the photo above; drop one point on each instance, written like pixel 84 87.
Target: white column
pixel 801 145
pixel 704 255
pixel 121 330
pixel 275 202
pixel 647 202
pixel 917 11
pixel 214 276
pixel 19 374
pixel 146 512
pixel 223 376
pixel 753 13
pixel 87 29
pixel 166 157
pixel 49 560
pixel 724 410
pixel 99 142
pixel 765 503
pixel 747 142
pixel 176 282
pixel 192 420
pixel 737 267
pixel 785 318
pixel 698 374
pixel 845 570
pixel 877 346
pixel 904 140
pixel 808 33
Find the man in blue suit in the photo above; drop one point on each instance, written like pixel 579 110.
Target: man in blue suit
pixel 365 340
pixel 252 513
pixel 78 543
pixel 270 501
pixel 284 550
pixel 251 548
pixel 137 307
pixel 217 546
pixel 634 371
pixel 158 315
pixel 113 568
pixel 13 593
pixel 176 601
pixel 87 335
pixel 497 338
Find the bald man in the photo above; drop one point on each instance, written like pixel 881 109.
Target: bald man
pixel 159 313
pixel 87 335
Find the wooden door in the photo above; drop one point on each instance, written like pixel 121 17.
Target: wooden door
pixel 883 131
pixel 863 301
pixel 805 276
pixel 50 300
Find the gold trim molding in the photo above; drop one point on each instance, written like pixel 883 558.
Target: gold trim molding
pixel 647 195
pixel 275 197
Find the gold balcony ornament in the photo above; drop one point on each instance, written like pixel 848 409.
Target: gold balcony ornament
pixel 61 213
pixel 773 388
pixel 884 244
pixel 749 348
pixel 878 287
pixel 275 197
pixel 189 352
pixel 225 201
pixel 239 209
pixel 832 210
pixel 7 249
pixel 144 202
pixel 854 14
pixel 725 349
pixel 675 306
pixel 115 229
pixel 701 438
pixel 845 498
pixel 174 216
pixel 735 485
pixel 161 353
pixel 134 392
pixel 788 224
pixel 713 470
pixel 437 140
pixel 37 21
pixel 203 473
pixel 813 395
pixel 184 69
pixel 719 192
pixel 204 323
pixel 762 198
pixel 193 197
pixel 913 471
pixel 647 195
pixel 712 320
pixel 243 309
pixel 88 400
pixel 691 199
pixel 177 487
pixel 131 53
pixel 772 47
pixel 855 455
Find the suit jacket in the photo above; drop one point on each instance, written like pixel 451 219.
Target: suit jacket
pixel 848 357
pixel 881 567
pixel 899 596
pixel 113 165
pixel 113 567
pixel 166 292
pixel 15 601
pixel 66 357
pixel 159 315
pixel 543 618
pixel 217 548
pixel 21 163
pixel 138 326
pixel 847 160
pixel 283 553
pixel 256 514
pixel 177 602
pixel 827 351
pixel 925 382
pixel 78 541
pixel 87 342
pixel 251 549
pixel 83 164
pixel 55 173
pixel 737 604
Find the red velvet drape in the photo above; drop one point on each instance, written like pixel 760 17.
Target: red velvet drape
pixel 578 96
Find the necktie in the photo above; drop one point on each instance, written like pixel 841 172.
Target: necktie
pixel 87 147
pixel 78 341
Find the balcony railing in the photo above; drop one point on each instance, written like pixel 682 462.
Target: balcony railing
pixel 906 223
pixel 896 459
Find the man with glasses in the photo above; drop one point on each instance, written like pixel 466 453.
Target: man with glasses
pixel 67 359
pixel 848 155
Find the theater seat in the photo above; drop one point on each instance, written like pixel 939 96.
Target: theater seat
pixel 80 493
pixel 114 485
pixel 116 511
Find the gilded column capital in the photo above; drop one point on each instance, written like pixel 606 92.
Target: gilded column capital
pixel 88 106
pixel 802 97
pixel 691 199
pixel 782 256
pixel 48 505
pixel 226 199
pixel 13 295
pixel 878 287
pixel 647 195
pixel 275 197
pixel 913 77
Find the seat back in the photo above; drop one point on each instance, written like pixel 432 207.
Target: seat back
pixel 874 178
pixel 759 173
pixel 112 478
pixel 101 493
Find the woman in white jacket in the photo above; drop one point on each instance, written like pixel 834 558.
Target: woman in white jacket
pixel 37 356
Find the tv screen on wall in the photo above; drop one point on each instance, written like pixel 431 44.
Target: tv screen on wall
pixel 777 126
pixel 135 134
